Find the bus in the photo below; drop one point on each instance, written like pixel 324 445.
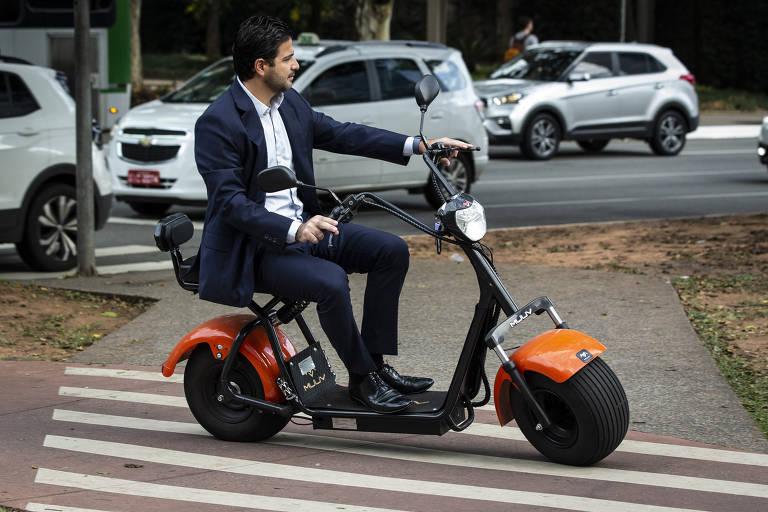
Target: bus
pixel 42 32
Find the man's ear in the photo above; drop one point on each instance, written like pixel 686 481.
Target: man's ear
pixel 258 66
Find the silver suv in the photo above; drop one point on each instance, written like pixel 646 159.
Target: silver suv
pixel 590 93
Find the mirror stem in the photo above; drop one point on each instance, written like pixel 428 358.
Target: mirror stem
pixel 335 197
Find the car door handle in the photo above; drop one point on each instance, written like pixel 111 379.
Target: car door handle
pixel 437 115
pixel 659 86
pixel 612 93
pixel 368 122
pixel 27 132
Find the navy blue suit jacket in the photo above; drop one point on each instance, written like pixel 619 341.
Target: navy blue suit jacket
pixel 230 151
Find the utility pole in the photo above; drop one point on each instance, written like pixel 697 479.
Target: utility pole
pixel 86 258
pixel 436 21
pixel 623 22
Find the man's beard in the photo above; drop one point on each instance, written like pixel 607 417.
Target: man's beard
pixel 276 83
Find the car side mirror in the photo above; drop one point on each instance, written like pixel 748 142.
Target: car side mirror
pixel 579 77
pixel 274 179
pixel 426 91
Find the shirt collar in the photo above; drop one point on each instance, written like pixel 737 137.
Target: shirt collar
pixel 261 108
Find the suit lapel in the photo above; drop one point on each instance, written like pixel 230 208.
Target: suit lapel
pixel 251 122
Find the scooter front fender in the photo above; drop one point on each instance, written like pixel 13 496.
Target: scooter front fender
pixel 219 333
pixel 557 354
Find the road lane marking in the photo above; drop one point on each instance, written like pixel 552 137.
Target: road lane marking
pixel 639 447
pixel 103 252
pixel 124 396
pixel 122 374
pixel 146 222
pixel 726 131
pixel 189 494
pixel 342 478
pixel 103 270
pixel 612 177
pixel 431 456
pixel 579 202
pixel 480 429
pixel 45 507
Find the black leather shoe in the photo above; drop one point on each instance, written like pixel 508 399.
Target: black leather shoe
pixel 403 383
pixel 375 394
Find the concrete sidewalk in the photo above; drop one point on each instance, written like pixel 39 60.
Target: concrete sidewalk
pixel 671 381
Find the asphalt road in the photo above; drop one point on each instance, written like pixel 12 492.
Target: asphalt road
pixel 624 182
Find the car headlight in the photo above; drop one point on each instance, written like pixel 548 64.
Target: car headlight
pixel 508 99
pixel 465 216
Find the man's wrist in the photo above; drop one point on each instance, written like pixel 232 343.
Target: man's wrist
pixel 417 145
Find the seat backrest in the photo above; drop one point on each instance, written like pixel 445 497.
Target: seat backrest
pixel 172 231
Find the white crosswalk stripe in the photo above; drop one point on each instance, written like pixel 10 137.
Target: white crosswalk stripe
pixel 337 487
pixel 409 453
pixel 171 492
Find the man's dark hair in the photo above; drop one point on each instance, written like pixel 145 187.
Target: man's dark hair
pixel 258 37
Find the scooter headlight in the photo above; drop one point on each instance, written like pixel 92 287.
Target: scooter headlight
pixel 464 216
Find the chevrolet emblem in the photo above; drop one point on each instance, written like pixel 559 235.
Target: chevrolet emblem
pixel 146 141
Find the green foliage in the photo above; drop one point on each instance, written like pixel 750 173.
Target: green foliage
pixel 711 98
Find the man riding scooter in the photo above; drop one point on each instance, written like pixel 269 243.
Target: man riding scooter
pixel 278 243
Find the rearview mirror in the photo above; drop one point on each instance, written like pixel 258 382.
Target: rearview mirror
pixel 426 91
pixel 274 179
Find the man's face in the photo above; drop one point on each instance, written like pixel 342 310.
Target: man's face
pixel 279 75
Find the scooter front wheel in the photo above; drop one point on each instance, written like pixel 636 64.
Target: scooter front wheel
pixel 589 414
pixel 227 420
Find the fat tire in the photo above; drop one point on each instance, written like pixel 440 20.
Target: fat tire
pixel 233 422
pixel 593 145
pixel 433 197
pixel 526 145
pixel 656 141
pixel 29 248
pixel 598 407
pixel 150 209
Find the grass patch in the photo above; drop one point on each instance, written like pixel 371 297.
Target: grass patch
pixel 711 98
pixel 719 327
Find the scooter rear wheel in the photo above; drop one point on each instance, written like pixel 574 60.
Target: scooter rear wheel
pixel 589 412
pixel 227 420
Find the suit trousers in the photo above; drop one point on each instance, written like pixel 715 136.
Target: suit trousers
pixel 319 273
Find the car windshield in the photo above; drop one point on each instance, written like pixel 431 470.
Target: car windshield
pixel 211 82
pixel 545 64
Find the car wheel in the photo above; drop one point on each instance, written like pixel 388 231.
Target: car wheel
pixel 50 230
pixel 669 134
pixel 541 138
pixel 458 174
pixel 593 145
pixel 151 209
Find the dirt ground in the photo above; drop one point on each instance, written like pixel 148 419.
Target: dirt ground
pixel 730 253
pixel 38 323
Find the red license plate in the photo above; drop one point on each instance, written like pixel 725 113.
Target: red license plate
pixel 144 177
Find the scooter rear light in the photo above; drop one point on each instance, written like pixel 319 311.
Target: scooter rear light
pixel 688 77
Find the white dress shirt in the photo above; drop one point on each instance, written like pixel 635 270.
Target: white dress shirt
pixel 285 202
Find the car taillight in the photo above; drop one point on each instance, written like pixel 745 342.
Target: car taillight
pixel 688 77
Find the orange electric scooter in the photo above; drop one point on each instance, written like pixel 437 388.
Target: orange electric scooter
pixel 244 380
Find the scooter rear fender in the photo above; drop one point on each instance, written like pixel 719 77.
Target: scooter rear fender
pixel 557 354
pixel 219 333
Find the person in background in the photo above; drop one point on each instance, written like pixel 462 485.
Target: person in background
pixel 522 40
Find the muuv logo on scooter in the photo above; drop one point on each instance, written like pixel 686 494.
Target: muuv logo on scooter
pixel 521 317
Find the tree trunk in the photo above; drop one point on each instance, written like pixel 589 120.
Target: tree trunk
pixel 213 31
pixel 372 18
pixel 137 73
pixel 503 25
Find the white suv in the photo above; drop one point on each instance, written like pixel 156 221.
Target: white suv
pixel 151 154
pixel 37 171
